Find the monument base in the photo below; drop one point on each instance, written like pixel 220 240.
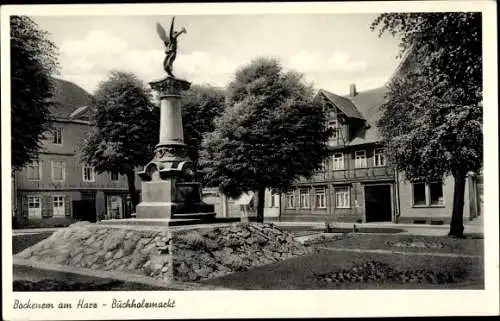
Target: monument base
pixel 203 218
pixel 182 253
pixel 174 202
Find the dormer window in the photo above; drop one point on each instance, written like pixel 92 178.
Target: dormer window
pixel 57 136
pixel 334 125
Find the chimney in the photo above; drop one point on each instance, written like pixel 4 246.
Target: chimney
pixel 352 90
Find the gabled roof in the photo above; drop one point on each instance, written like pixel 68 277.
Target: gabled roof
pixel 68 98
pixel 342 103
pixel 368 103
pixel 364 106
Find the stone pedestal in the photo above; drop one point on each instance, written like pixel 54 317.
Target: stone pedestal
pixel 168 190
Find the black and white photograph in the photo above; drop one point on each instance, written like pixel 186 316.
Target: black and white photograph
pixel 160 159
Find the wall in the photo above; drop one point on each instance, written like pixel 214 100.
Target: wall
pixel 350 176
pixel 352 214
pixel 410 213
pixel 212 196
pixel 47 204
pixel 73 135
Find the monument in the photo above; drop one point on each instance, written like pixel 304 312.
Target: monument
pixel 169 192
pixel 163 243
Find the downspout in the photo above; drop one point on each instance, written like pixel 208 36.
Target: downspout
pixel 398 205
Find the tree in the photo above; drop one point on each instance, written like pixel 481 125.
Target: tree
pixel 200 105
pixel 33 63
pixel 270 133
pixel 126 128
pixel 432 121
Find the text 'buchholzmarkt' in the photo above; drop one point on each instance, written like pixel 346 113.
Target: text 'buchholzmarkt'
pixel 119 304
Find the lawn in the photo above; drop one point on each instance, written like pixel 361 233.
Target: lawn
pixel 333 269
pixel 20 242
pixel 409 243
pixel 27 279
pixel 312 272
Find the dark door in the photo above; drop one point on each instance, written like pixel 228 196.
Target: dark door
pixel 378 206
pixel 84 210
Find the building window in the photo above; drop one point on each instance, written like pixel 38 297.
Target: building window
pixel 114 176
pixel 360 159
pixel 58 205
pixel 275 200
pixel 379 157
pixel 58 170
pixel 419 194
pixel 325 165
pixel 34 171
pixel 338 161
pixel 342 199
pixel 88 174
pixel 304 198
pixel 430 194
pixel 57 136
pixel 290 199
pixel 34 207
pixel 333 124
pixel 320 197
pixel 436 193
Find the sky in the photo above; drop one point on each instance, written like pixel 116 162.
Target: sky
pixel 331 50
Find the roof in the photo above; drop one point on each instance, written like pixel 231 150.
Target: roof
pixel 342 103
pixel 364 106
pixel 368 104
pixel 244 199
pixel 68 98
pixel 79 111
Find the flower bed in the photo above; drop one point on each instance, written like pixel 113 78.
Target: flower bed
pixel 376 271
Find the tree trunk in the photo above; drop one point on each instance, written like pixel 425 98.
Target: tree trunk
pixel 261 195
pixel 134 196
pixel 457 216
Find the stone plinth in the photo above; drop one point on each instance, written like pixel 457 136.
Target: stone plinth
pixel 182 253
pixel 167 189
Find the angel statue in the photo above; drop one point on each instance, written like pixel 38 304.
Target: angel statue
pixel 170 45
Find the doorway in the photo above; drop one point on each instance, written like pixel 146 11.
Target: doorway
pixel 84 210
pixel 378 205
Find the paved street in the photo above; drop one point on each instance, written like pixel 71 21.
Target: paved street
pixel 471 227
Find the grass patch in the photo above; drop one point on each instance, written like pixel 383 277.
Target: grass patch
pixel 468 246
pixel 44 222
pixel 20 242
pixel 48 285
pixel 29 279
pixel 301 273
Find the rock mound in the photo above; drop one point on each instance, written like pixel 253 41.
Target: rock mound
pixel 170 254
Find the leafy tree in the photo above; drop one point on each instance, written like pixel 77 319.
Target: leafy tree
pixel 432 120
pixel 200 105
pixel 33 63
pixel 270 133
pixel 126 128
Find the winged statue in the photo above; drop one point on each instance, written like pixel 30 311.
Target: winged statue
pixel 170 42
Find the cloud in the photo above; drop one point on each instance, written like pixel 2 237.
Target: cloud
pixel 311 61
pixel 89 60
